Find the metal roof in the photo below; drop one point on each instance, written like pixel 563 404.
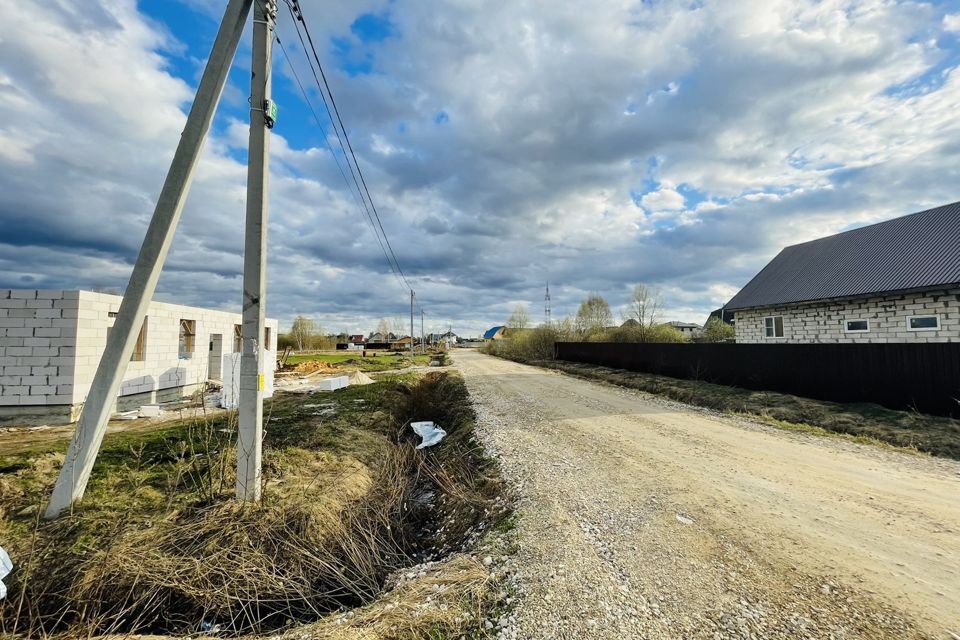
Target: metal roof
pixel 917 251
pixel 492 331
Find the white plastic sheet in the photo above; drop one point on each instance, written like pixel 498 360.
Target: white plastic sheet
pixel 5 568
pixel 431 433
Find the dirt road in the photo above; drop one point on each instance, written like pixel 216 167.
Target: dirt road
pixel 643 518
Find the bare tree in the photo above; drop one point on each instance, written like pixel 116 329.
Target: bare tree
pixel 383 328
pixel 644 307
pixel 303 331
pixel 401 326
pixel 593 314
pixel 520 318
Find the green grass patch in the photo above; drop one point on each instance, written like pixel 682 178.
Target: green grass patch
pixel 380 362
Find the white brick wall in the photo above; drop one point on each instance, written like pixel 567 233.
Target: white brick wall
pixel 826 321
pixel 37 331
pixel 51 343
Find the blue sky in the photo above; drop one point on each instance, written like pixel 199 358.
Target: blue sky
pixel 595 144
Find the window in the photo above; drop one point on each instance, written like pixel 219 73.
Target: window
pixel 237 338
pixel 188 331
pixel 266 340
pixel 773 327
pixel 140 348
pixel 923 323
pixel 857 326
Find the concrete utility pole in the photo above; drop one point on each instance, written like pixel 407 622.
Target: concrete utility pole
pixel 250 433
pixel 72 481
pixel 423 344
pixel 411 321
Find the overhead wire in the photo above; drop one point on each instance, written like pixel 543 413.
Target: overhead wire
pixel 372 214
pixel 297 13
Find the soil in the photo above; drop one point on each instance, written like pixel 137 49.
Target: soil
pixel 645 518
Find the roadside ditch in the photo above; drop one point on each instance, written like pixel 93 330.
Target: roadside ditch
pixel 357 528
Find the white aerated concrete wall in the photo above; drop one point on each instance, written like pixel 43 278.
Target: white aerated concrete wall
pixel 51 343
pixel 887 315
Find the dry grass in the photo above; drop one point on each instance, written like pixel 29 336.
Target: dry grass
pixel 159 547
pixel 863 422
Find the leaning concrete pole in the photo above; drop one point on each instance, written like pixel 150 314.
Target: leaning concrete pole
pixel 88 436
pixel 250 436
pixel 411 322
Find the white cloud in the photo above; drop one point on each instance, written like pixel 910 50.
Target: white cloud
pixel 951 22
pixel 786 120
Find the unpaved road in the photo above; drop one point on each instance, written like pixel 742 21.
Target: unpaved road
pixel 644 518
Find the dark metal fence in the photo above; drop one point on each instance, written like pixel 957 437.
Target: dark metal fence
pixel 925 377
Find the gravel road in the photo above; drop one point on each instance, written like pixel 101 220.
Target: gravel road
pixel 644 518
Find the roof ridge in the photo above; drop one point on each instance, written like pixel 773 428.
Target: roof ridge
pixel 873 224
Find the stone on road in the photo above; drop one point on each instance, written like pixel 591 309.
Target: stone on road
pixel 644 518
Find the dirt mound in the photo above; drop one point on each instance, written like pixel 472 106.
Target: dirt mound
pixel 311 366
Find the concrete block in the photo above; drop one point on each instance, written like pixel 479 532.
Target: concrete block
pixel 25 332
pixel 66 304
pixel 36 342
pixel 12 304
pixel 19 351
pixel 70 295
pixel 34 323
pixel 23 294
pixel 34 380
pixel 9 322
pixel 50 313
pixel 16 370
pixel 10 380
pixel 7 341
pixel 65 390
pixel 9 400
pixel 33 361
pixel 43 371
pixel 14 390
pixel 40 303
pixel 51 294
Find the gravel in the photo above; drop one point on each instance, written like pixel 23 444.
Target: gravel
pixel 606 547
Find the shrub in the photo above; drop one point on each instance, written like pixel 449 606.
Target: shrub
pixel 716 330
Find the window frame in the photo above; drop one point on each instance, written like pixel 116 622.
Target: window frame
pixel 139 353
pixel 187 338
pixel 266 338
pixel 773 327
pixel 847 329
pixel 238 338
pixel 924 315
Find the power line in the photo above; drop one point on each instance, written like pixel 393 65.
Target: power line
pixel 297 13
pixel 360 203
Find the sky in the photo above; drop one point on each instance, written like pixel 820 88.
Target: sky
pixel 592 144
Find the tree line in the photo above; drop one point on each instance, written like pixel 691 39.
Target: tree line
pixel 640 321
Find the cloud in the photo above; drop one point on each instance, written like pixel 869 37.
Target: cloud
pixel 591 144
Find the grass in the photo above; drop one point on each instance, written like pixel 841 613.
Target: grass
pixel 861 422
pixel 383 362
pixel 157 545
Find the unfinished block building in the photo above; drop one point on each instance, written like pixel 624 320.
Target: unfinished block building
pixel 51 343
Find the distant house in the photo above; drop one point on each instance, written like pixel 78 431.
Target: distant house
pixel 896 281
pixel 449 338
pixel 401 343
pixel 723 314
pixel 686 328
pixel 495 333
pixel 356 339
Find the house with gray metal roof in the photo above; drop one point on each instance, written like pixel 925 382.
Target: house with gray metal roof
pixel 895 281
